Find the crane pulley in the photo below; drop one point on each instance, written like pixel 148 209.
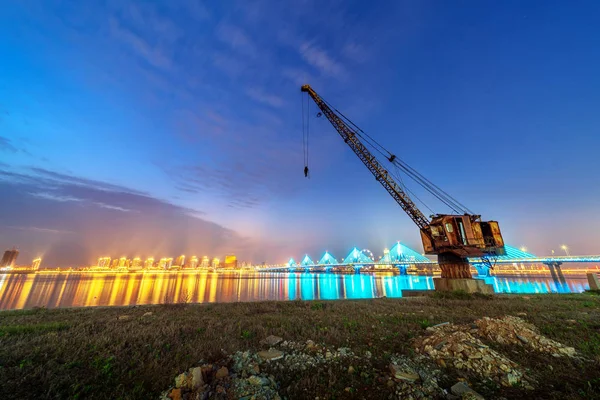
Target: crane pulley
pixel 452 237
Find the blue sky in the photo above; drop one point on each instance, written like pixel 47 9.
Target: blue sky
pixel 143 127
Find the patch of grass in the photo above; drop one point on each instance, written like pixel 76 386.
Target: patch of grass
pixel 247 335
pixel 425 323
pixel 461 295
pixel 101 357
pixel 36 328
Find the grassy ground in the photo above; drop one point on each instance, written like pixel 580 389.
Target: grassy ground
pixel 91 353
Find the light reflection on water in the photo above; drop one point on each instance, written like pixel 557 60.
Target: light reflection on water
pixel 108 289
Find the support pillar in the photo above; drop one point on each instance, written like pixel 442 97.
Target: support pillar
pixel 556 271
pixel 456 275
pixel 402 269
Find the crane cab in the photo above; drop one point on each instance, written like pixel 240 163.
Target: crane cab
pixel 465 235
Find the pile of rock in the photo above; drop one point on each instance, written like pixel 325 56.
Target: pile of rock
pixel 514 330
pixel 308 355
pixel 451 345
pixel 415 378
pixel 215 381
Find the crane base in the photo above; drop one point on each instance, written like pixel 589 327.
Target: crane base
pixel 465 285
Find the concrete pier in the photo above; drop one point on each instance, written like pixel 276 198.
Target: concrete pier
pixel 593 281
pixel 467 285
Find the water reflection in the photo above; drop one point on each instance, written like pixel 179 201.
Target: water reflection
pixel 81 289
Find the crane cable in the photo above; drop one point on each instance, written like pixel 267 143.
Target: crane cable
pixel 432 188
pixel 305 132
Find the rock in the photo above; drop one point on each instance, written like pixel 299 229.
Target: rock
pixel 175 394
pixel 147 314
pixel 272 340
pixel 124 317
pixel 222 373
pixel 270 355
pixel 462 390
pixel 368 354
pixel 328 355
pixel 310 344
pixel 402 374
pixel 182 380
pixel 522 339
pixel 197 379
pixel 255 380
pixel 351 369
pixel 512 379
pixel 348 389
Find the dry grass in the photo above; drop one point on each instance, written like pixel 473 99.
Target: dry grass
pixel 91 353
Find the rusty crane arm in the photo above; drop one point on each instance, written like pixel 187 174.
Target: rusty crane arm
pixel 349 135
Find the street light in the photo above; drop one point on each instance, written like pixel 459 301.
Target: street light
pixel 566 249
pixel 523 248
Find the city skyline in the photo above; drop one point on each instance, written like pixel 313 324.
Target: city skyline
pixel 158 128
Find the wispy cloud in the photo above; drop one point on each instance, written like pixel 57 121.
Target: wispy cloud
pixel 355 52
pixel 265 98
pixel 319 59
pixel 153 55
pixel 237 39
pixel 42 230
pixel 6 145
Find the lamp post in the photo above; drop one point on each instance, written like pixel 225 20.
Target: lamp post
pixel 566 249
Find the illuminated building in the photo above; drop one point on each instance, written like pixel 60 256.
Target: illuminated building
pixel 35 264
pixel 136 263
pixel 165 263
pixel 215 262
pixel 115 263
pixel 122 262
pixel 180 261
pixel 192 263
pixel 205 262
pixel 149 264
pixel 9 258
pixel 104 262
pixel 230 261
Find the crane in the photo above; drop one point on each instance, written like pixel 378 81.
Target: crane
pixel 452 237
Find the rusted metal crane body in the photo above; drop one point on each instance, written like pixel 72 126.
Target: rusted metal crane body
pixel 452 238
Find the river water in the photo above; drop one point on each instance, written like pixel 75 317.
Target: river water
pixel 19 291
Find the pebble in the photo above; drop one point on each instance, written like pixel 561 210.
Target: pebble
pixel 270 355
pixel 124 317
pixel 175 394
pixel 147 314
pixel 462 390
pixel 222 373
pixel 272 340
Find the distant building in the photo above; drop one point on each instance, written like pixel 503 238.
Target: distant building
pixel 122 262
pixel 114 264
pixel 149 264
pixel 180 261
pixel 165 263
pixel 136 263
pixel 205 262
pixel 9 258
pixel 104 262
pixel 216 262
pixel 230 262
pixel 35 264
pixel 192 263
